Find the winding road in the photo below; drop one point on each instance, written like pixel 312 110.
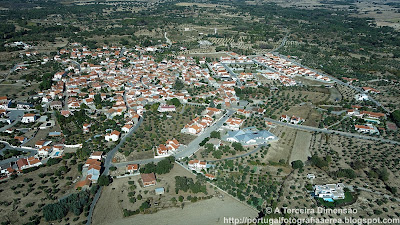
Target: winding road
pixel 107 164
pixel 326 131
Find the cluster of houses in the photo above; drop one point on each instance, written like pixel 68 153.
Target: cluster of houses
pixel 370 119
pixel 91 170
pixel 21 164
pixel 45 149
pixel 254 111
pixel 147 179
pixel 233 123
pixel 168 148
pixel 287 69
pixel 131 80
pixel 200 167
pixel 292 120
pixel 18 44
pixel 197 125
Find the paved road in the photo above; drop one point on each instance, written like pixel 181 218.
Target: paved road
pixel 193 146
pixel 14 159
pixel 373 192
pixel 183 109
pixel 15 115
pixel 167 39
pixel 282 43
pixel 107 165
pixel 140 162
pixel 359 90
pixel 189 150
pixel 233 74
pixel 346 134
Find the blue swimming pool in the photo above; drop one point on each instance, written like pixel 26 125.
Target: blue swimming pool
pixel 57 153
pixel 328 199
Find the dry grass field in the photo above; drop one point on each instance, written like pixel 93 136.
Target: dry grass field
pixel 115 197
pixel 210 211
pixel 301 147
pixel 281 149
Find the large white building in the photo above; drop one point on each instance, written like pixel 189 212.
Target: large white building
pixel 166 108
pixel 367 128
pixel 28 118
pixel 333 191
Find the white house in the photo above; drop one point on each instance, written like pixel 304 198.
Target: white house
pixel 361 97
pixel 368 128
pixel 96 155
pixel 296 120
pixel 172 145
pixel 194 129
pixel 113 136
pixel 166 108
pixel 285 118
pixel 197 165
pixel 4 102
pixel 45 151
pixel 86 127
pixel 243 112
pixel 132 168
pixel 334 191
pixel 310 176
pixel 233 123
pixel 126 128
pixel 28 118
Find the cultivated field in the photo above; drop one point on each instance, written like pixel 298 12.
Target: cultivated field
pixel 301 147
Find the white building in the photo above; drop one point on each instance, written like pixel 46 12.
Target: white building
pixel 197 165
pixel 98 155
pixel 367 128
pixel 333 191
pixel 113 136
pixel 233 123
pixel 28 118
pixel 45 151
pixel 126 128
pixel 361 97
pixel 166 108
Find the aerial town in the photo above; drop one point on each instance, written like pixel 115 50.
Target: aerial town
pixel 119 117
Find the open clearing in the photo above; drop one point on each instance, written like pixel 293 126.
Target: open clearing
pixel 300 150
pixel 211 211
pixel 114 198
pixel 282 148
